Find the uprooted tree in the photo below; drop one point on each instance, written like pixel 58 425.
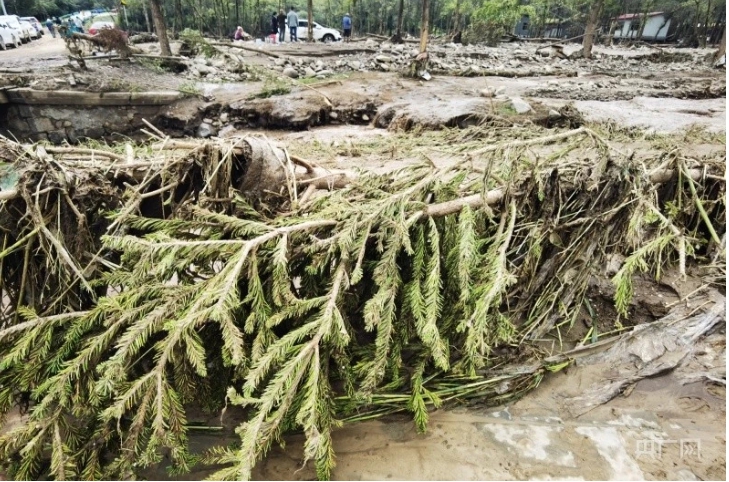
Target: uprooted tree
pixel 140 282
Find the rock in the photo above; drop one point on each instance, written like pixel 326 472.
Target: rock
pixel 365 117
pixel 226 130
pixel 500 91
pixel 205 130
pixel 325 73
pixel 544 53
pixel 207 121
pixel 290 72
pixel 520 105
pixel 319 65
pixel 224 117
pixel 333 115
pixel 309 72
pixel 219 64
pixel 514 63
pixel 279 62
pixel 201 61
pixel 488 93
pixel 206 69
pixel 355 65
pixel 553 114
pixel 383 58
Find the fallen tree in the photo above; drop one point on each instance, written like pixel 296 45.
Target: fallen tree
pixel 232 272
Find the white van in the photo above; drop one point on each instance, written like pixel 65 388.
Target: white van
pixel 8 37
pixel 13 22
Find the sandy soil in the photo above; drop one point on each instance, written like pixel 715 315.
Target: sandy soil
pixel 46 51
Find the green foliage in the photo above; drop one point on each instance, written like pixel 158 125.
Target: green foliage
pixel 197 43
pixel 377 297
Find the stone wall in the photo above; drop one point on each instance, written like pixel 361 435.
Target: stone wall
pixel 71 116
pixel 72 123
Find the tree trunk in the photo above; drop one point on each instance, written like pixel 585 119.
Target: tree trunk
pixel 160 27
pixel 179 26
pixel 457 18
pixel 146 16
pixel 424 26
pixel 722 47
pixel 310 17
pixel 591 28
pixel 398 32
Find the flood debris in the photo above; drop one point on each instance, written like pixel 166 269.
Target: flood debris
pixel 237 273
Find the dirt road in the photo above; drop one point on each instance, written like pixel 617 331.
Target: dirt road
pixel 44 52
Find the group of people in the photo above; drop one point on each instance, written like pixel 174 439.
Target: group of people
pixel 73 24
pixel 278 26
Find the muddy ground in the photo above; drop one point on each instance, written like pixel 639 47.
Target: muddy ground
pixel 363 115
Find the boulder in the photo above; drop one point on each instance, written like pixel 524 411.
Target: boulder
pixel 520 105
pixel 205 130
pixel 290 72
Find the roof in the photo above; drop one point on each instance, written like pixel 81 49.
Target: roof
pixel 631 16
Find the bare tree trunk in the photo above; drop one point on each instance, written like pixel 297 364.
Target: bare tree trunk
pixel 424 26
pixel 722 46
pixel 146 16
pixel 310 16
pixel 591 28
pixel 178 16
pixel 159 26
pixel 457 17
pixel 398 32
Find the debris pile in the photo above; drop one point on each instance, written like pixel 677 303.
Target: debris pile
pixel 234 273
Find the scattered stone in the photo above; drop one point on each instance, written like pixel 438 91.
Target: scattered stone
pixel 553 114
pixel 290 72
pixel 365 117
pixel 355 65
pixel 383 58
pixel 224 117
pixel 309 72
pixel 333 115
pixel 279 62
pixel 205 130
pixel 520 105
pixel 486 93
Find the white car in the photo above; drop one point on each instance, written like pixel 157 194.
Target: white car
pixel 35 23
pixel 8 37
pixel 323 34
pixel 22 31
pixel 34 34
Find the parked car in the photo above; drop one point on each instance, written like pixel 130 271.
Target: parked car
pixel 96 26
pixel 323 34
pixel 31 29
pixel 8 37
pixel 35 23
pixel 23 30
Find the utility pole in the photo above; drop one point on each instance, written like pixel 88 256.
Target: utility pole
pixel 2 4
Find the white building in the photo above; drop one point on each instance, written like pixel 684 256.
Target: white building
pixel 656 26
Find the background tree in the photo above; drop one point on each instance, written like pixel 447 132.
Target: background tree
pixel 160 27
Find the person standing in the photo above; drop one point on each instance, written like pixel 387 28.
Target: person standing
pixel 281 26
pixel 274 27
pixel 293 21
pixel 51 28
pixel 347 27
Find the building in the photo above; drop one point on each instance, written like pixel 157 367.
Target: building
pixel 521 29
pixel 656 27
